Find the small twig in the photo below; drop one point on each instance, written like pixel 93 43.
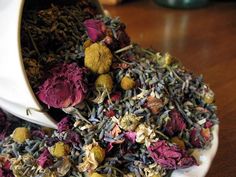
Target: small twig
pixel 32 40
pixel 124 49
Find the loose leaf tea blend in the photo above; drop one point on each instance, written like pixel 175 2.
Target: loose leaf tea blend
pixel 122 110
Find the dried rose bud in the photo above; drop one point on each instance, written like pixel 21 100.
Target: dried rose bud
pixel 154 104
pixel 21 134
pixel 60 149
pixel 95 28
pixel 66 87
pixel 104 81
pixel 127 83
pixel 129 122
pixel 98 58
pixel 175 124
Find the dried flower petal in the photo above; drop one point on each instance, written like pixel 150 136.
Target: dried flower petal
pixel 21 134
pixel 45 159
pixel 115 131
pixel 170 156
pixel 154 104
pixel 65 167
pixel 94 155
pixel 153 170
pixel 144 134
pixel 63 125
pixel 98 58
pixel 131 136
pixel 95 29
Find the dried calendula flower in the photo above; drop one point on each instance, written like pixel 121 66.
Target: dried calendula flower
pixel 127 83
pixel 21 134
pixel 99 153
pixel 209 96
pixel 154 104
pixel 98 58
pixel 167 59
pixel 95 174
pixel 129 122
pixel 60 149
pixel 178 141
pixel 104 81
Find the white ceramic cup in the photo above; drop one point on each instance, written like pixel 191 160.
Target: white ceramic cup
pixel 16 95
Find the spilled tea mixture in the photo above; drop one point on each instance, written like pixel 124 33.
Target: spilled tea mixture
pixel 122 110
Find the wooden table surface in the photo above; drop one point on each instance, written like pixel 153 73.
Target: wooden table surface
pixel 205 41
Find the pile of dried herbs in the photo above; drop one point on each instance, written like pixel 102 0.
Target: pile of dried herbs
pixel 123 110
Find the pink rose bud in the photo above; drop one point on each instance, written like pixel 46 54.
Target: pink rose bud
pixel 95 28
pixel 176 123
pixel 65 87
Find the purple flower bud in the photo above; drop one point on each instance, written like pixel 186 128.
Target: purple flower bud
pixel 176 123
pixel 66 86
pixel 95 28
pixel 170 156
